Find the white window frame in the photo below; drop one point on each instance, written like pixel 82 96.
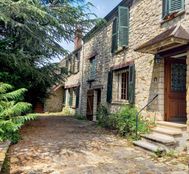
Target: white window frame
pixel 118 85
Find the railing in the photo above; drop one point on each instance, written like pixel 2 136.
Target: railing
pixel 137 115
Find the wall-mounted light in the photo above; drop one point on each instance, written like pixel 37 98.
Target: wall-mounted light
pixel 157 59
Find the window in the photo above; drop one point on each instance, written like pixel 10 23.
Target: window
pixel 92 71
pixel 172 6
pixel 122 85
pixel 120 29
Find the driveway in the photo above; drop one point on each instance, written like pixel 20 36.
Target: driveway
pixel 64 145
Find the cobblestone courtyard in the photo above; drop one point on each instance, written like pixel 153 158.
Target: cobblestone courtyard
pixel 64 145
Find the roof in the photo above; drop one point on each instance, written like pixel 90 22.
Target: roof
pixel 175 32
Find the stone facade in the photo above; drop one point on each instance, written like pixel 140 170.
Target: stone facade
pixel 63 97
pixel 145 23
pixel 54 101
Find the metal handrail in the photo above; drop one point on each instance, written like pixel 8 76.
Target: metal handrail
pixel 137 115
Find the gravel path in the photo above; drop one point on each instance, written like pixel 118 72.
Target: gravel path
pixel 64 145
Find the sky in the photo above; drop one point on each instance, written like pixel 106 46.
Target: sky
pixel 101 9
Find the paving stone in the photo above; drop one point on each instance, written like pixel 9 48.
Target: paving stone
pixel 62 145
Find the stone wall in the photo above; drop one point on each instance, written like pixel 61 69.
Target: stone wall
pixel 145 23
pixel 54 102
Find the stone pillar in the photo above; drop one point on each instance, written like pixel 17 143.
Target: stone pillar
pixel 161 94
pixel 94 105
pixel 67 97
pixel 187 88
pixel 187 97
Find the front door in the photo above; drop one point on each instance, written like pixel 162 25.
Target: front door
pixel 90 99
pixel 175 89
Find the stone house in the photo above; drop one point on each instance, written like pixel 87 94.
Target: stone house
pixel 67 95
pixel 140 52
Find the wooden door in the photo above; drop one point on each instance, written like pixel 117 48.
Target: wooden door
pixel 175 89
pixel 90 99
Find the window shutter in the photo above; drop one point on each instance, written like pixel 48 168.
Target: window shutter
pixel 109 86
pixel 64 97
pixel 165 8
pixel 77 96
pixel 175 5
pixel 123 26
pixel 132 84
pixel 114 36
pixel 93 69
pixel 71 98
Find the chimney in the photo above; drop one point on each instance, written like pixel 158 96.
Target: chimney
pixel 78 39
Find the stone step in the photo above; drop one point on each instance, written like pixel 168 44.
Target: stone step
pixel 149 146
pixel 160 138
pixel 167 131
pixel 177 126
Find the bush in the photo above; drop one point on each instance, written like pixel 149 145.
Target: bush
pixel 67 111
pixel 80 116
pixel 12 112
pixel 102 116
pixel 124 121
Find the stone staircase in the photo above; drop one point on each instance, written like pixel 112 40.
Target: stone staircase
pixel 164 137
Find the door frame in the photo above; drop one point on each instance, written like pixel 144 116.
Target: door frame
pixel 167 82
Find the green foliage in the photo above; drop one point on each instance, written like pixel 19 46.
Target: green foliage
pixel 67 111
pixel 79 116
pixel 102 116
pixel 12 112
pixel 31 33
pixel 124 121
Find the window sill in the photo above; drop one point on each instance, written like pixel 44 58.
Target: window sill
pixel 125 102
pixel 91 80
pixel 120 49
pixel 172 16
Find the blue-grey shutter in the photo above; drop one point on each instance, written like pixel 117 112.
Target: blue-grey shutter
pixel 71 98
pixel 93 69
pixel 123 26
pixel 64 97
pixel 114 35
pixel 165 8
pixel 176 5
pixel 132 84
pixel 109 86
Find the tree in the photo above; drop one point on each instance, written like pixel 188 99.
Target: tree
pixel 30 36
pixel 12 111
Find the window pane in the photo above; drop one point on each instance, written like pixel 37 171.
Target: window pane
pixel 178 77
pixel 124 86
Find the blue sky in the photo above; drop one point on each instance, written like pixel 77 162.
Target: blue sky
pixel 101 9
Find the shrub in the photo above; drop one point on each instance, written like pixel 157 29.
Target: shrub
pixel 80 116
pixel 124 121
pixel 102 116
pixel 12 112
pixel 67 111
